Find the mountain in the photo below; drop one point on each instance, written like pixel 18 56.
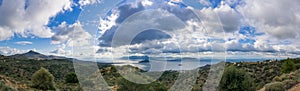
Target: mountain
pixel 35 55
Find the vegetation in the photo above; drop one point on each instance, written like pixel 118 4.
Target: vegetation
pixel 3 87
pixel 125 85
pixel 288 80
pixel 43 79
pixel 71 78
pixel 288 66
pixel 21 71
pixel 262 72
pixel 275 86
pixel 236 80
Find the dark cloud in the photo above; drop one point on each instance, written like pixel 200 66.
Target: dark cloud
pixel 184 14
pixel 126 10
pixel 151 34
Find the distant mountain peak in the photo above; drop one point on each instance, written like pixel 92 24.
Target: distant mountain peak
pixel 35 55
pixel 32 52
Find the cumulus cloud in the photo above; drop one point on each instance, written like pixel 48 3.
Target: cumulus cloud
pixel 146 3
pixel 72 37
pixel 10 51
pixel 61 50
pixel 223 15
pixel 29 17
pixel 222 28
pixel 235 45
pixel 278 18
pixel 188 37
pixel 204 2
pixel 87 2
pixel 165 18
pixel 277 21
pixel 67 34
pixel 24 43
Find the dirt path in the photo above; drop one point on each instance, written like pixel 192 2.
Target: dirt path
pixel 262 89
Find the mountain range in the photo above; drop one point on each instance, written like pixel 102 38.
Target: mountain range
pixel 35 55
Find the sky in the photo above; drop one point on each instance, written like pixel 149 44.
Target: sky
pixel 87 29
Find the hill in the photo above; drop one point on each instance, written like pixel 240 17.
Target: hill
pixel 15 73
pixel 35 55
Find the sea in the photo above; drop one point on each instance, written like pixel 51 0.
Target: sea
pixel 164 64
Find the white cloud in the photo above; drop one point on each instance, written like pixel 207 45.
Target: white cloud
pixel 61 50
pixel 234 45
pixel 87 2
pixel 223 15
pixel 205 2
pixel 73 41
pixel 10 51
pixel 69 34
pixel 24 43
pixel 146 3
pixel 30 20
pixel 190 38
pixel 209 35
pixel 176 0
pixel 278 18
pixel 108 23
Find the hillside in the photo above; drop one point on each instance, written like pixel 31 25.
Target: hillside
pixel 15 73
pixel 35 55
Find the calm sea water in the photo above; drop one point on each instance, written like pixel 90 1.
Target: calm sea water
pixel 159 64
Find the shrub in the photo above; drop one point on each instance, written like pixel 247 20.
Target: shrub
pixel 275 86
pixel 277 79
pixel 289 83
pixel 288 66
pixel 125 85
pixel 285 77
pixel 43 79
pixel 236 80
pixel 71 78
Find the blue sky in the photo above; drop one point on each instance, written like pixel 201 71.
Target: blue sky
pixel 240 27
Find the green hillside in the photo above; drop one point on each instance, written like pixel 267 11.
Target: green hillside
pixel 16 74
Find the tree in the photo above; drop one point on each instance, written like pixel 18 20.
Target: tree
pixel 236 80
pixel 288 66
pixel 71 78
pixel 43 79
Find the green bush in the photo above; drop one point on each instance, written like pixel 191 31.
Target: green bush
pixel 289 83
pixel 288 66
pixel 125 85
pixel 277 79
pixel 236 80
pixel 285 77
pixel 275 86
pixel 71 78
pixel 43 79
